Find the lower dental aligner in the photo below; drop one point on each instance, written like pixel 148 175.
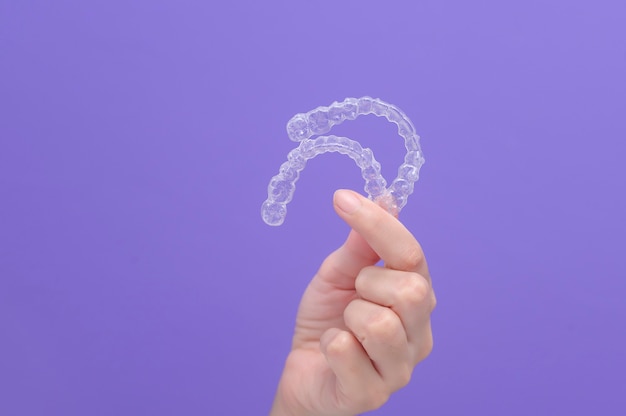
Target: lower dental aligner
pixel 302 127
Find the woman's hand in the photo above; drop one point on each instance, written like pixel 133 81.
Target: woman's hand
pixel 360 329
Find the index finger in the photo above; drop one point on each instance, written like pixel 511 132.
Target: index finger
pixel 387 236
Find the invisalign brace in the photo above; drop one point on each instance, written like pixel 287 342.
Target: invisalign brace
pixel 302 127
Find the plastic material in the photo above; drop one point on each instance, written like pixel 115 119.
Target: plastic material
pixel 302 127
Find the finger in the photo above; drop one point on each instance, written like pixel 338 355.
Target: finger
pixel 423 345
pixel 359 386
pixel 380 332
pixel 382 232
pixel 341 266
pixel 409 295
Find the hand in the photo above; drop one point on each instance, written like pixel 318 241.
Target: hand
pixel 360 329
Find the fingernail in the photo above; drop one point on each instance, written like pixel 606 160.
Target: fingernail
pixel 347 201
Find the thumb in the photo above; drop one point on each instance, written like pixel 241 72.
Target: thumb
pixel 343 265
pixel 381 232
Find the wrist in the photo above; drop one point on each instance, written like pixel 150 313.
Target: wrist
pixel 279 408
pixel 285 404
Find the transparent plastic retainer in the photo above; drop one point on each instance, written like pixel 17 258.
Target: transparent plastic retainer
pixel 304 126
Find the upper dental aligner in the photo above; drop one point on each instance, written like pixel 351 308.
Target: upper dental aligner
pixel 322 119
pixel 303 126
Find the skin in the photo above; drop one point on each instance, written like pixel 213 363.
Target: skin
pixel 361 329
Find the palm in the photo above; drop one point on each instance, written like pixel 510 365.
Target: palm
pixel 322 307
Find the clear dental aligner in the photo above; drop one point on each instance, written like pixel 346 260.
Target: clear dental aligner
pixel 302 127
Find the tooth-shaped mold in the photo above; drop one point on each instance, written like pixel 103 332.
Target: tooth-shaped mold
pixel 298 128
pixel 302 127
pixel 319 122
pixel 364 105
pixel 282 186
pixel 336 114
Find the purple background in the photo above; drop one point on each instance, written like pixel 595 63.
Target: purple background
pixel 137 139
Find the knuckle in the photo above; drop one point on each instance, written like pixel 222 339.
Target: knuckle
pixel 433 301
pixel 339 345
pixel 414 290
pixel 426 347
pixel 404 376
pixel 382 325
